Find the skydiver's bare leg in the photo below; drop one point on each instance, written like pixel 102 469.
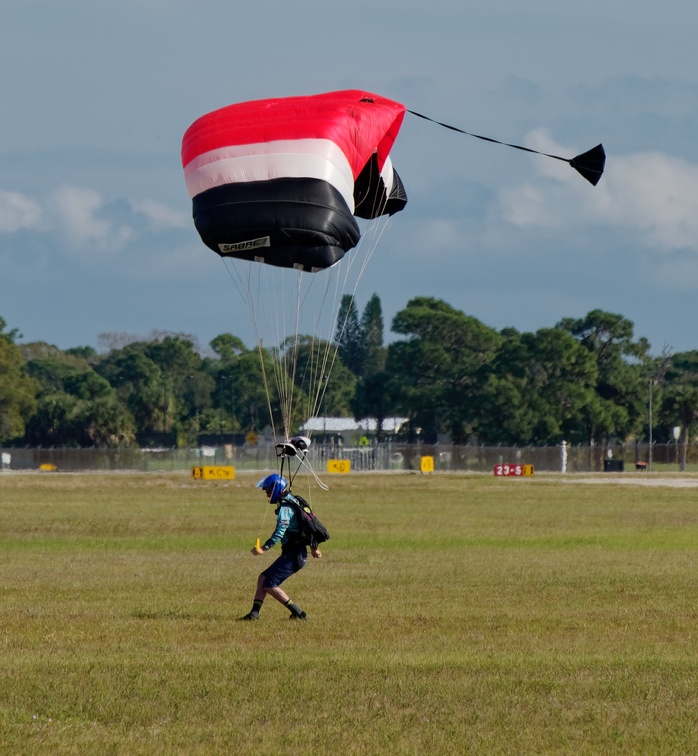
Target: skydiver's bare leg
pixel 278 594
pixel 282 598
pixel 260 593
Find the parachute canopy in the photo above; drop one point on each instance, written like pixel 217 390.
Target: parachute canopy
pixel 280 181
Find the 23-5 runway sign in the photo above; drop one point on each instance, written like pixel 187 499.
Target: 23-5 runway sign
pixel 523 471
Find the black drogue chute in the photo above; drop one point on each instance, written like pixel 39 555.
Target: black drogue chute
pixel 589 164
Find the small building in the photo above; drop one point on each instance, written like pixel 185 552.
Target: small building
pixel 346 430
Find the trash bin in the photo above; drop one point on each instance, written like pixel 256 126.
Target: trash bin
pixel 613 465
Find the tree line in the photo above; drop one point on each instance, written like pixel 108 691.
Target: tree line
pixel 587 380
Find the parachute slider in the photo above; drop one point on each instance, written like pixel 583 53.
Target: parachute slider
pixel 589 164
pixel 296 446
pixel 302 443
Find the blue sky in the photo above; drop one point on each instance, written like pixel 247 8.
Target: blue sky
pixel 95 222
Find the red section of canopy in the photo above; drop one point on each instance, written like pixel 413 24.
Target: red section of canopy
pixel 359 122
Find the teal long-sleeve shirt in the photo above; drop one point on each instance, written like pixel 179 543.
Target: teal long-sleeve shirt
pixel 286 523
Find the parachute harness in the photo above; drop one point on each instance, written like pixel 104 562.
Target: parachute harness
pixel 295 448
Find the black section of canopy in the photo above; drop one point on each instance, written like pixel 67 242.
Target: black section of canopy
pixel 371 198
pixel 287 222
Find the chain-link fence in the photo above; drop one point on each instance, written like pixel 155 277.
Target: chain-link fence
pixel 388 456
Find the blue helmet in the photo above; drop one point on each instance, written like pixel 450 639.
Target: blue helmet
pixel 274 483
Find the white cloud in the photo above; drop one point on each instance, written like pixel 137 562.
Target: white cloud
pixel 160 216
pixel 78 214
pixel 17 212
pixel 439 234
pixel 80 218
pixel 651 196
pixel 657 196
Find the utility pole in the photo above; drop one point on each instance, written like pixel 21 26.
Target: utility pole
pixel 661 365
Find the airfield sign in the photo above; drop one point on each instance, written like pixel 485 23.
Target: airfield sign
pixel 524 471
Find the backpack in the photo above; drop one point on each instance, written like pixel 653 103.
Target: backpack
pixel 312 531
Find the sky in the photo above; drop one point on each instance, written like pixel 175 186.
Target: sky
pixel 96 235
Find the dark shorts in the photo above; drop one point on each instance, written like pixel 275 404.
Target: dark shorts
pixel 286 565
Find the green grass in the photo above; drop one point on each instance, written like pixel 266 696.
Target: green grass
pixel 452 613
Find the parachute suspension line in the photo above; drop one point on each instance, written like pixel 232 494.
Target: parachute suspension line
pixel 282 310
pixel 276 310
pixel 241 273
pixel 292 476
pixel 589 164
pixel 332 344
pixel 308 380
pixel 282 307
pixel 326 351
pixel 290 345
pixel 264 517
pixel 322 485
pixel 260 350
pixel 291 353
pixel 316 373
pixel 322 347
pixel 369 239
pixel 243 284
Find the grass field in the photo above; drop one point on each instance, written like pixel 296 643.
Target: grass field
pixel 450 613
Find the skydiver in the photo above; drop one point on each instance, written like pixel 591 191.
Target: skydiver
pixel 294 554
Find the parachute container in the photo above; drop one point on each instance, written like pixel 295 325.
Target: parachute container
pixel 280 181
